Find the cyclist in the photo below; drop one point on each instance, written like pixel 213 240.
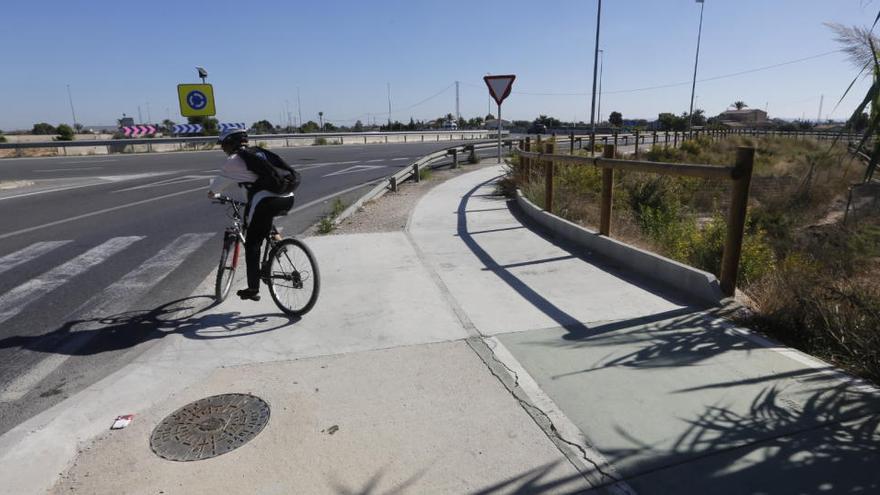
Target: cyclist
pixel 262 205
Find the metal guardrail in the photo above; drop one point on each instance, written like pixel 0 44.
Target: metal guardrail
pixel 213 139
pixel 413 172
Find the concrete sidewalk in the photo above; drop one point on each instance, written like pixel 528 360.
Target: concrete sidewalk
pixel 469 354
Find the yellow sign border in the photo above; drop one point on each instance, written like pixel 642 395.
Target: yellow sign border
pixel 188 111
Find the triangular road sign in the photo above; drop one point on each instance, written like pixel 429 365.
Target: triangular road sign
pixel 499 86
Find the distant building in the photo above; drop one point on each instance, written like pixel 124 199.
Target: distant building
pixel 747 117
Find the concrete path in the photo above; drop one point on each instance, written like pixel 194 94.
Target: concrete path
pixel 468 354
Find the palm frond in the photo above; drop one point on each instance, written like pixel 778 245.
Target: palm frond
pixel 856 42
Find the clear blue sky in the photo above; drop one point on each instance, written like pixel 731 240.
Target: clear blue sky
pixel 117 55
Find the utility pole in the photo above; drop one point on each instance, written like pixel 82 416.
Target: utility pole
pixel 821 102
pixel 140 117
pixel 298 107
pixel 457 113
pixel 72 111
pixel 389 105
pixel 595 66
pixel 696 61
pixel 149 114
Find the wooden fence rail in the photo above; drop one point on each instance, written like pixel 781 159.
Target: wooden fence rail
pixel 740 174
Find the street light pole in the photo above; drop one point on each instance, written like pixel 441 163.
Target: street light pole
pixel 72 111
pixel 599 105
pixel 595 65
pixel 696 61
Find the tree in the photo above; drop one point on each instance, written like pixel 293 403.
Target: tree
pixel 310 126
pixel 615 119
pixel 65 133
pixel 699 119
pixel 489 116
pixel 550 122
pixel 263 127
pixel 329 127
pixel 78 127
pixel 412 125
pixel 671 122
pixel 739 105
pixel 168 125
pixel 359 126
pixel 43 128
pixel 210 125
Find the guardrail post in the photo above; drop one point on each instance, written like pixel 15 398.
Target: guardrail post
pixel 637 144
pixel 416 172
pixel 736 219
pixel 393 181
pixel 607 193
pixel 548 178
pixel 454 157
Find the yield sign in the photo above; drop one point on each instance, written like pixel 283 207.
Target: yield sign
pixel 499 86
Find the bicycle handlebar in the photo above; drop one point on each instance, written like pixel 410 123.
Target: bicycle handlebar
pixel 220 199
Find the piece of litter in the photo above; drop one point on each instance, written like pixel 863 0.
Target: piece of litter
pixel 333 429
pixel 122 421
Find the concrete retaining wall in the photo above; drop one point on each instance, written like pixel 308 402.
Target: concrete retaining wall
pixel 696 283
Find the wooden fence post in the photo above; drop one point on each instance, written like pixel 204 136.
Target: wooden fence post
pixel 548 177
pixel 637 144
pixel 675 140
pixel 571 143
pixel 528 161
pixel 736 219
pixel 666 141
pixel 607 193
pixel 653 138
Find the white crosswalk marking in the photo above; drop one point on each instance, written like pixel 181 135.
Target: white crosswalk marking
pixel 18 298
pixel 33 251
pixel 114 299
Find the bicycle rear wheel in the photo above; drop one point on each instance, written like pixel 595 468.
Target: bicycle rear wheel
pixel 293 277
pixel 226 268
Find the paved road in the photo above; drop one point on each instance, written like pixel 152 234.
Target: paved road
pixel 91 242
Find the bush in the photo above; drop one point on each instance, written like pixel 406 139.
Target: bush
pixel 44 129
pixel 321 141
pixel 65 133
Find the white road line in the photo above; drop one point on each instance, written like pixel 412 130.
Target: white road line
pixel 353 170
pixel 564 426
pixel 114 299
pixel 68 169
pixel 18 298
pixel 175 180
pixel 309 166
pixel 401 158
pixel 33 251
pixel 99 212
pixel 100 181
pixel 376 160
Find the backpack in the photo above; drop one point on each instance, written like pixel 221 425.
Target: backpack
pixel 273 173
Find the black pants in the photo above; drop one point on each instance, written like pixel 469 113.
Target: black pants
pixel 261 222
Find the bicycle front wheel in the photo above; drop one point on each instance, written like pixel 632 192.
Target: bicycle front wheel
pixel 293 277
pixel 226 268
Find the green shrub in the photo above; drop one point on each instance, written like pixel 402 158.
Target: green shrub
pixel 65 133
pixel 424 173
pixel 320 141
pixel 325 226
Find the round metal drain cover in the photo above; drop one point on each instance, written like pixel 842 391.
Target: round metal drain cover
pixel 209 427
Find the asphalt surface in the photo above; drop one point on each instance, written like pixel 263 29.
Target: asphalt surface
pixel 118 241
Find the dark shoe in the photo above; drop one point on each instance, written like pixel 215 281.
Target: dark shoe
pixel 252 294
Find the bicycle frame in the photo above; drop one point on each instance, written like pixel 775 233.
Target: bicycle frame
pixel 238 229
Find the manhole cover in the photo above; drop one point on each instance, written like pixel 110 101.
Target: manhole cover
pixel 209 427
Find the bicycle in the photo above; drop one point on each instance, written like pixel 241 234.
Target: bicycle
pixel 288 267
